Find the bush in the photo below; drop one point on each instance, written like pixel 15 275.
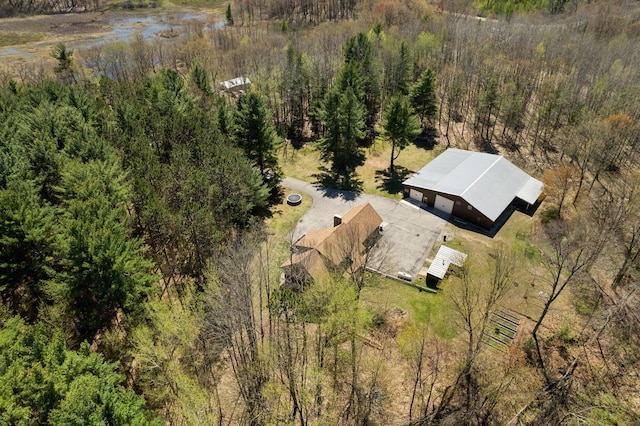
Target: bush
pixel 550 214
pixel 529 348
pixel 565 335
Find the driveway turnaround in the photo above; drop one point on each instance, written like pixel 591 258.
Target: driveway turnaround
pixel 408 236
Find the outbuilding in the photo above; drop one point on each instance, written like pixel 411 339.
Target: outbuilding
pixel 474 186
pixel 235 85
pixel 440 264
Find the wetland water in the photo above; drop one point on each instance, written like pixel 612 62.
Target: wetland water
pixel 149 27
pixel 83 31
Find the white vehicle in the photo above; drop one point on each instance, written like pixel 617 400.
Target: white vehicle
pixel 405 276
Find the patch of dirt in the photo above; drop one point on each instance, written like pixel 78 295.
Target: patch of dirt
pixel 378 162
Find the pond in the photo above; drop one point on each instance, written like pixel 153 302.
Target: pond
pixel 82 31
pixel 149 27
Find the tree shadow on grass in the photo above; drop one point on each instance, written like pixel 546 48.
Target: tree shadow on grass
pixel 392 183
pixel 427 139
pixel 335 185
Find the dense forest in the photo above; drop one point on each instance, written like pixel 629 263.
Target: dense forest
pixel 139 264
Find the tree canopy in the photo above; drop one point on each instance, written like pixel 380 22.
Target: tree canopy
pixel 44 382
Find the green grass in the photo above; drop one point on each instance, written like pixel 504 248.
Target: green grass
pixel 300 163
pixel 282 221
pixel 285 217
pixel 304 164
pixel 14 39
pixel 515 235
pixel 422 308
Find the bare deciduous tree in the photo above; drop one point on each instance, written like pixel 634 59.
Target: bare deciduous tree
pixel 231 320
pixel 474 300
pixel 570 249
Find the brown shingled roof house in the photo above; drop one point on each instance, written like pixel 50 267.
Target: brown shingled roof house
pixel 338 249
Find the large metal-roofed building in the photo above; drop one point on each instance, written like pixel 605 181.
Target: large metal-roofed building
pixel 473 186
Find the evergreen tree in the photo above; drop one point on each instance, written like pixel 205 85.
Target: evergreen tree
pixel 294 89
pixel 224 117
pixel 105 269
pixel 64 68
pixel 27 227
pixel 43 382
pixel 423 97
pixel 401 126
pixel 397 79
pixel 228 15
pixel 359 54
pixel 344 118
pixel 253 131
pixel 487 109
pixel 200 78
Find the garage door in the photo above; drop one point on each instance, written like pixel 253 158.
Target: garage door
pixel 416 195
pixel 444 204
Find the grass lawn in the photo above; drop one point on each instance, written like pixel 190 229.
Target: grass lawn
pixel 530 286
pixel 515 236
pixel 421 307
pixel 285 217
pixel 304 164
pixel 282 221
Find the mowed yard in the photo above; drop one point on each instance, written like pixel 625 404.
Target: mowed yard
pixel 517 236
pixel 305 163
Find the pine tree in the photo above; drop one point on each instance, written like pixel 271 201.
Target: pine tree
pixel 200 78
pixel 401 126
pixel 104 267
pixel 44 382
pixel 64 68
pixel 228 15
pixel 358 53
pixel 423 97
pixel 344 118
pixel 294 89
pixel 253 131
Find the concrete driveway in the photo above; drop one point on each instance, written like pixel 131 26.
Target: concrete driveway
pixel 406 241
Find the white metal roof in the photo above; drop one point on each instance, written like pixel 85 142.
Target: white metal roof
pixel 238 81
pixel 530 191
pixel 445 257
pixel 486 181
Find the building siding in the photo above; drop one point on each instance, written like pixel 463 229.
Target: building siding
pixel 461 208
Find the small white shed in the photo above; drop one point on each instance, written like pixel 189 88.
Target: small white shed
pixel 445 257
pixel 235 84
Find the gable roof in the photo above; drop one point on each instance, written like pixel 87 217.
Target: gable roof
pixel 234 82
pixel 331 246
pixel 486 181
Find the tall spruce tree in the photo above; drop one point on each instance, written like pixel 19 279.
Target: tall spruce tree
pixel 253 131
pixel 344 118
pixel 359 53
pixel 423 97
pixel 401 126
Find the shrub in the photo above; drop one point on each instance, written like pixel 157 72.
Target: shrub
pixel 550 214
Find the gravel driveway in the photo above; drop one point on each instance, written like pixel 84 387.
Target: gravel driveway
pixel 407 239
